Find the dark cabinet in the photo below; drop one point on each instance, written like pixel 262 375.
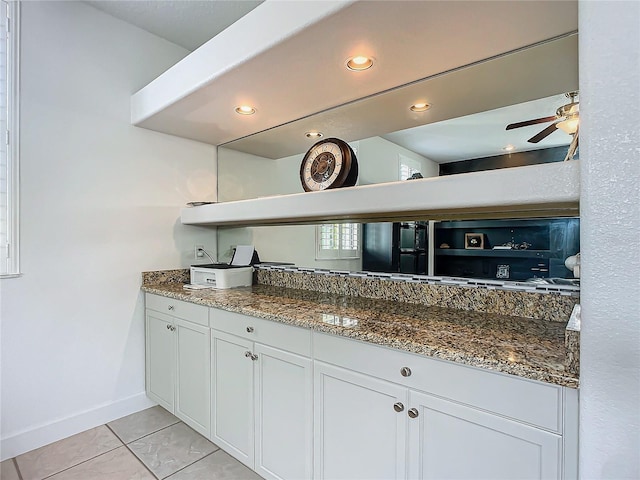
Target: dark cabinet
pixel 510 249
pixel 395 247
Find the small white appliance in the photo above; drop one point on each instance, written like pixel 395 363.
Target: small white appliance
pixel 221 275
pixel 237 273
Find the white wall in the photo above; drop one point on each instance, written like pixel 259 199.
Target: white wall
pixel 100 203
pixel 383 161
pixel 610 233
pixel 242 175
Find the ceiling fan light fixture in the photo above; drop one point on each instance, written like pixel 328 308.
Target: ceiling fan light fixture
pixel 570 125
pixel 359 63
pixel 420 107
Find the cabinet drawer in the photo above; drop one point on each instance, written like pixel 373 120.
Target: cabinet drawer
pixel 177 308
pixel 536 403
pixel 285 337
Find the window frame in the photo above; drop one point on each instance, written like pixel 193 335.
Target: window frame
pixel 412 166
pixel 339 253
pixel 10 267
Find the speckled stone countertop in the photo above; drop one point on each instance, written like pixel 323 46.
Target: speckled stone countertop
pixel 526 347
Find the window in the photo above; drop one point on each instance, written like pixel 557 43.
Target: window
pixel 9 137
pixel 337 241
pixel 408 167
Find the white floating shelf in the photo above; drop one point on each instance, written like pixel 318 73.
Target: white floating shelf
pixel 544 190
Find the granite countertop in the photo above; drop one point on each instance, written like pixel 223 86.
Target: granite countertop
pixel 525 347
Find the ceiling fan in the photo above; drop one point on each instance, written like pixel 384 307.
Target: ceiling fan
pixel 566 118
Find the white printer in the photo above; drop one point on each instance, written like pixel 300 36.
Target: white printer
pixel 237 273
pixel 221 275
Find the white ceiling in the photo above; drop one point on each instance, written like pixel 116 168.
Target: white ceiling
pixel 449 36
pixel 188 23
pixel 483 134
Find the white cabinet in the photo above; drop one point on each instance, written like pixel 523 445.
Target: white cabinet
pixel 452 441
pixel 295 404
pixel 374 419
pixel 262 394
pixel 178 360
pixel 160 359
pixel 232 395
pixel 360 426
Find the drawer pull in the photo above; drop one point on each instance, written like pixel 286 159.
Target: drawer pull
pixel 248 354
pixel 405 371
pixel 249 329
pixel 170 307
pixel 398 407
pixel 413 413
pixel 168 327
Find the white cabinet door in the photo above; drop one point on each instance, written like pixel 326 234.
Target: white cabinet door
pixel 451 441
pixel 160 358
pixel 358 433
pixel 283 409
pixel 193 379
pixel 232 396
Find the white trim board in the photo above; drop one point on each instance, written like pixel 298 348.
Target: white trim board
pixel 45 434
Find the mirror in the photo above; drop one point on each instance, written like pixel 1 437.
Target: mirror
pixel 464 130
pixel 515 249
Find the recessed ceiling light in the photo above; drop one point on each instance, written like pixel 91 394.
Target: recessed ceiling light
pixel 508 148
pixel 420 107
pixel 359 63
pixel 245 110
pixel 314 134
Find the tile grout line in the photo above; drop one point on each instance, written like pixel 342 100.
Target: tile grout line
pixel 133 453
pixel 15 464
pixel 195 461
pixel 84 461
pixel 146 434
pixel 168 477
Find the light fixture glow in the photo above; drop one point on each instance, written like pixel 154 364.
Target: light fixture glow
pixel 245 110
pixel 570 125
pixel 359 63
pixel 314 134
pixel 508 148
pixel 420 107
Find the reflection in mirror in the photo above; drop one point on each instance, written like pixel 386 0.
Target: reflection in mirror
pixel 242 176
pixel 463 131
pixel 517 249
pixel 470 109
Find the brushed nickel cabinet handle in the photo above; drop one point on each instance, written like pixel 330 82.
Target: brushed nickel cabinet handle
pixel 405 371
pixel 413 413
pixel 398 407
pixel 170 307
pixel 249 329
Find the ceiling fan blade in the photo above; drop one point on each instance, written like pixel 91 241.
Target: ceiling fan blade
pixel 543 134
pixel 530 122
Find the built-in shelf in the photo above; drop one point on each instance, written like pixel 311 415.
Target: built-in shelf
pixel 457 252
pixel 546 190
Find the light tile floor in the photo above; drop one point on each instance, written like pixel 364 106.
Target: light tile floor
pixel 148 445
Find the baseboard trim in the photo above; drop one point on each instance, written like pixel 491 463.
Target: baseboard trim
pixel 45 434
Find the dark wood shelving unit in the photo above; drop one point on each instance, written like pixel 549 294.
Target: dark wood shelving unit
pixel 551 241
pixel 505 253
